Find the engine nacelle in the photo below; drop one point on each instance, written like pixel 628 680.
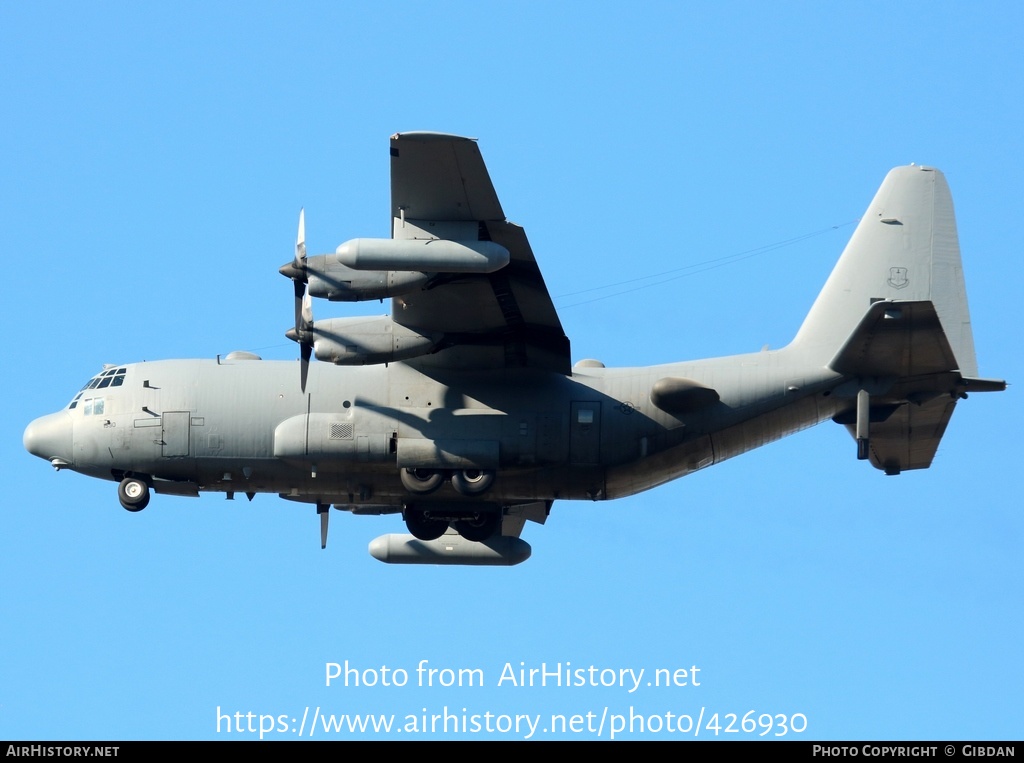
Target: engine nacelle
pixel 435 255
pixel 329 279
pixel 370 340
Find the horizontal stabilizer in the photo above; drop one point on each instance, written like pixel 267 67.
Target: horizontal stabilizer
pixel 896 339
pixel 983 385
pixel 909 437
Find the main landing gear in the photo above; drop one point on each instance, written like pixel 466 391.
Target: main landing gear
pixel 430 524
pixel 133 494
pixel 424 526
pixel 468 482
pixel 421 481
pixel 480 526
pixel 473 521
pixel 473 481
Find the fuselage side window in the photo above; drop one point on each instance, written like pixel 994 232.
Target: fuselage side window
pixel 92 406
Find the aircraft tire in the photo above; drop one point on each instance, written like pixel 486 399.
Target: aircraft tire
pixel 421 481
pixel 473 481
pixel 133 494
pixel 480 528
pixel 423 527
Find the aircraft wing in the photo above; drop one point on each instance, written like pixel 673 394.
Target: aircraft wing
pixel 440 189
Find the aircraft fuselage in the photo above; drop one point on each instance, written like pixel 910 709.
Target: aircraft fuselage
pixel 245 426
pixel 461 410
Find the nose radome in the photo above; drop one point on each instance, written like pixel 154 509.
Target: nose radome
pixel 50 437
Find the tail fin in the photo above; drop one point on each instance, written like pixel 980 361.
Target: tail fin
pixel 904 249
pixel 893 319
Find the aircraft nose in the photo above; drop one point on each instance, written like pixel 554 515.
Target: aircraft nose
pixel 50 437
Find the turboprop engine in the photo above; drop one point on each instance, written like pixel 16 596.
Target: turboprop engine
pixel 376 268
pixel 362 341
pixel 326 278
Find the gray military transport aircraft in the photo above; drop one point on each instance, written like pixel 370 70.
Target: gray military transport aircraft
pixel 462 412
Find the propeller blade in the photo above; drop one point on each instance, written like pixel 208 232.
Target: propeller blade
pixel 305 350
pixel 300 240
pixel 296 269
pixel 299 279
pixel 305 322
pixel 300 293
pixel 303 331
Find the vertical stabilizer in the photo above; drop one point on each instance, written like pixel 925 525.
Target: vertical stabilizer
pixel 904 249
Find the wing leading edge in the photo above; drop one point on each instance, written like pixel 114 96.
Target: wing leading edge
pixel 440 189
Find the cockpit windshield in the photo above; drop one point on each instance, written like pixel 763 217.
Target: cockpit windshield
pixel 111 377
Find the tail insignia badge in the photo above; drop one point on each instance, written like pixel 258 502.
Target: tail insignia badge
pixel 898 278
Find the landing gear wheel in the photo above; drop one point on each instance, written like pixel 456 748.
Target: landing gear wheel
pixel 421 481
pixel 480 527
pixel 424 527
pixel 133 494
pixel 473 481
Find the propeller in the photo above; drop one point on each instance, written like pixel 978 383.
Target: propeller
pixel 303 331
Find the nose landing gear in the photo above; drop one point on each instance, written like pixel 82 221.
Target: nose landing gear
pixel 133 493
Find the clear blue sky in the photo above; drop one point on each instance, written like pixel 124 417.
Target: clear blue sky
pixel 154 161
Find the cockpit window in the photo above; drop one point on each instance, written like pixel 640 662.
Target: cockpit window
pixel 111 377
pixel 92 406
